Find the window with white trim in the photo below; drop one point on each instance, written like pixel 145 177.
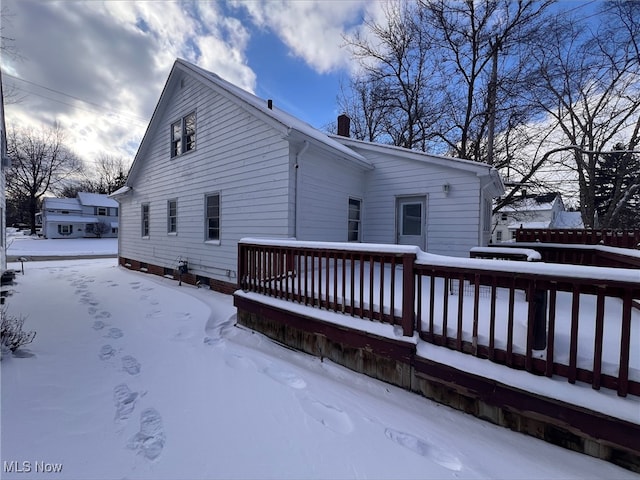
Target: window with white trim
pixel 355 216
pixel 65 229
pixel 102 211
pixel 212 217
pixel 183 135
pixel 172 216
pixel 144 219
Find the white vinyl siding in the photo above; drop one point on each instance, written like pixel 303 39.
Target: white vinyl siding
pixel 236 152
pixel 452 219
pixel 325 185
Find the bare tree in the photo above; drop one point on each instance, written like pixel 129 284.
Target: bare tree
pixel 451 78
pixel 589 86
pixel 40 164
pixel 110 171
pixel 106 177
pixel 390 100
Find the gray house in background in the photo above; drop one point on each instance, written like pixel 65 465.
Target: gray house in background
pixel 217 164
pixel 89 215
pixel 533 211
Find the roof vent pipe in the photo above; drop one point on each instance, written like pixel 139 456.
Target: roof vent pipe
pixel 270 104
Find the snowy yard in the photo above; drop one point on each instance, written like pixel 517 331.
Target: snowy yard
pixel 131 376
pixel 27 246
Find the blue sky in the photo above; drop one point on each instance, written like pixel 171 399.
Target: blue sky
pixel 97 67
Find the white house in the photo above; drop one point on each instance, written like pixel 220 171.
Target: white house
pixel 4 164
pixel 533 211
pixel 88 215
pixel 217 164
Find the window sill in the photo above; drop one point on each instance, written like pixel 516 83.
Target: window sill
pixel 182 154
pixel 212 242
pixel 145 237
pixel 172 234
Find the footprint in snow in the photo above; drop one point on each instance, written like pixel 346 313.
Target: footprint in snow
pixel 125 401
pixel 149 441
pixel 238 361
pixel 328 415
pixel 424 448
pixel 103 314
pixel 287 378
pixel 130 365
pixel 114 333
pixel 106 352
pixel 98 325
pixel 92 310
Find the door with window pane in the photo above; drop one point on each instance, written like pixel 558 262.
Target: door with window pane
pixel 411 219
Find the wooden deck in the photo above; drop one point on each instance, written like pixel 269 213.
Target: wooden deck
pixel 559 321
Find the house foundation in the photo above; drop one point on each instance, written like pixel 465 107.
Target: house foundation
pixel 169 272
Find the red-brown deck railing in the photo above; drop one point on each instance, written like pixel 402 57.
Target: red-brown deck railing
pixel 612 238
pixel 507 313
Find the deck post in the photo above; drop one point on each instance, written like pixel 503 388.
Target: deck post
pixel 408 294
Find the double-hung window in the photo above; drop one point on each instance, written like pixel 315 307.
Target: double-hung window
pixel 183 135
pixel 102 211
pixel 144 222
pixel 172 216
pixel 212 217
pixel 355 215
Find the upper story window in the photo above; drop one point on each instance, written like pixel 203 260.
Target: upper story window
pixel 102 211
pixel 355 208
pixel 183 135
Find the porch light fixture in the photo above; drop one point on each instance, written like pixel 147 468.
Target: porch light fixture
pixel 446 188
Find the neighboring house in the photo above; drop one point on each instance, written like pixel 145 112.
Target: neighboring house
pixel 217 164
pixel 533 211
pixel 5 163
pixel 88 215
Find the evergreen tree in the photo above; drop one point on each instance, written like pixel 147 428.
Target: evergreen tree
pixel 617 190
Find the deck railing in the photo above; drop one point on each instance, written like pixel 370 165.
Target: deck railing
pixel 571 321
pixel 612 238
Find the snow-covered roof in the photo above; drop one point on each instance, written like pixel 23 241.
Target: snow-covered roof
pixel 286 119
pixel 538 225
pixel 61 204
pixel 96 200
pixel 568 220
pixel 532 203
pixel 120 191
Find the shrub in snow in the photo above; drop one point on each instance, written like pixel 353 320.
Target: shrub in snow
pixel 11 334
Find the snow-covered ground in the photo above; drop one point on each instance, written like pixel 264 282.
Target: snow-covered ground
pixel 131 376
pixel 28 246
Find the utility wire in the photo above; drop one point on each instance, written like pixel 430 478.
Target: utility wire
pixel 103 109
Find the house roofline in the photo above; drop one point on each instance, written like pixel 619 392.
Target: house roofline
pixel 452 162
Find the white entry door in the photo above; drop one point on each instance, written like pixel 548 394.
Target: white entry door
pixel 411 219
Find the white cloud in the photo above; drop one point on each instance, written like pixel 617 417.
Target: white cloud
pixel 104 64
pixel 313 30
